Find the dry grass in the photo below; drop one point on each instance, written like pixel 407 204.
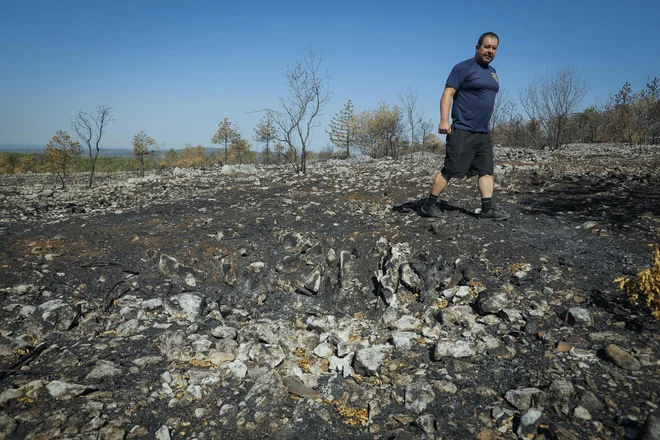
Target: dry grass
pixel 646 284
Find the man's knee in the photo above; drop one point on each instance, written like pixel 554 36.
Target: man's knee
pixel 442 175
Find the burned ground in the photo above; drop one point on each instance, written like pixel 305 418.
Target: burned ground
pixel 255 303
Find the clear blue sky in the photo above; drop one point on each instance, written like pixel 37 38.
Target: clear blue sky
pixel 176 69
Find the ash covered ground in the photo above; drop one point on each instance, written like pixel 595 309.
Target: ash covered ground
pixel 249 302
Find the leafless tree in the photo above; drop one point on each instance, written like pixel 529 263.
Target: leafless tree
pixel 425 128
pixel 503 110
pixel 412 113
pixel 90 128
pixel 503 120
pixel 388 128
pixel 299 111
pixel 552 99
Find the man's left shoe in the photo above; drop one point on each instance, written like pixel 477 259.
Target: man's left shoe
pixel 431 209
pixel 493 214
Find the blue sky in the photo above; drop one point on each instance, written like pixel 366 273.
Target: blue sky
pixel 176 69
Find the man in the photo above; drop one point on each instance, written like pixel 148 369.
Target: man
pixel 471 88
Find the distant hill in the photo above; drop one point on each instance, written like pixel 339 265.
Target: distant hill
pixel 104 152
pixel 23 149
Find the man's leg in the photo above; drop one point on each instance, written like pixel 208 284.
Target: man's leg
pixel 439 184
pixel 455 164
pixel 483 166
pixel 485 184
pixel 488 211
pixel 430 206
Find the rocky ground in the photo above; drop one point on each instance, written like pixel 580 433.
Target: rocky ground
pixel 255 303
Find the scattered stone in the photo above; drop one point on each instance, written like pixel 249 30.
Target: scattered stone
pixel 137 431
pixel 147 361
pixel 63 390
pixel 10 394
pixel 580 316
pixel 607 336
pixel 453 348
pixel 458 316
pixel 185 353
pixel 163 433
pixel 267 355
pixel 7 426
pixel 578 353
pixel 104 369
pixel 408 323
pixel 563 346
pixel 581 413
pixel 293 242
pixel 343 348
pixel 492 301
pixel 296 387
pixel 237 368
pixel 562 433
pixel 189 305
pixel 502 352
pixel 445 386
pixel 529 423
pixel 51 316
pixel 224 332
pixel 324 350
pixel 589 225
pixel 403 339
pixel 369 360
pixel 525 398
pixel 170 267
pixel 426 423
pixel 419 395
pixel 342 365
pixel 267 390
pixel 590 402
pixel 652 426
pixel 562 388
pixel 128 328
pixel 621 359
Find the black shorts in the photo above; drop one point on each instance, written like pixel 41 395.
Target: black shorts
pixel 468 154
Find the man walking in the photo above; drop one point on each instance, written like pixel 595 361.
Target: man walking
pixel 470 94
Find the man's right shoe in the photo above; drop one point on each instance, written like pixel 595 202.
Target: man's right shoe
pixel 493 214
pixel 433 210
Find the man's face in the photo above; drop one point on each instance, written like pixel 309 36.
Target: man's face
pixel 486 51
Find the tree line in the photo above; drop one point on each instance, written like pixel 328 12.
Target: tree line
pixel 544 116
pixel 548 116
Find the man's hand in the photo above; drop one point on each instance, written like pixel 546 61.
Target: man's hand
pixel 444 127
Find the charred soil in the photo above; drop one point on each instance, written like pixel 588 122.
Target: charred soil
pixel 187 303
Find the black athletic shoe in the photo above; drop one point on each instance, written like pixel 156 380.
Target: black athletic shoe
pixel 493 214
pixel 433 210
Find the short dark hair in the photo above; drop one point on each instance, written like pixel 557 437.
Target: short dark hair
pixel 488 34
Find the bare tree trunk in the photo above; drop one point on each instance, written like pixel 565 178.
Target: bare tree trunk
pixel 61 179
pixel 412 113
pixel 552 99
pixel 90 127
pixel 299 112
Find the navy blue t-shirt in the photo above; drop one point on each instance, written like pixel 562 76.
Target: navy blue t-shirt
pixel 474 100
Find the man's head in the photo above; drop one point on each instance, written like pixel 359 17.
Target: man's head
pixel 486 48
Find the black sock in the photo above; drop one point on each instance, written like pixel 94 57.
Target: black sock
pixel 431 199
pixel 486 204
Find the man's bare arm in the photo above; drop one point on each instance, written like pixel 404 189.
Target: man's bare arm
pixel 445 108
